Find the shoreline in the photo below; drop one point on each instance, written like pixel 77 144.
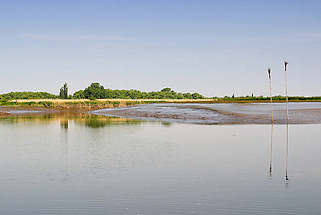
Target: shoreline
pixel 186 112
pixel 86 104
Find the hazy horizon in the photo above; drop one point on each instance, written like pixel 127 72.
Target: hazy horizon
pixel 211 47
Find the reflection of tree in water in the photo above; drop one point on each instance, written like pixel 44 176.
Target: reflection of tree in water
pixel 166 124
pixel 64 124
pixel 100 122
pixel 89 120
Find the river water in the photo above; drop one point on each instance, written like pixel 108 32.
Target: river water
pixel 93 164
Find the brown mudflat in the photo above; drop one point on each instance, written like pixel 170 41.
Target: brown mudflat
pixel 222 113
pixel 299 113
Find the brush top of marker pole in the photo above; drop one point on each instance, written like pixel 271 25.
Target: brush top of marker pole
pixel 285 64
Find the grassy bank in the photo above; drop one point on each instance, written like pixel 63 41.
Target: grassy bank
pixel 93 104
pixel 65 104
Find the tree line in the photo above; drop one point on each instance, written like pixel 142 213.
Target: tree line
pixel 26 95
pixel 97 91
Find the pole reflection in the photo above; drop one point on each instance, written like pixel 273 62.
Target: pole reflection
pixel 271 144
pixel 287 152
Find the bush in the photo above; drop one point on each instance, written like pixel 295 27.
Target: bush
pixel 27 95
pixel 96 91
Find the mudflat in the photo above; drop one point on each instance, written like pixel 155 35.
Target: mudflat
pixel 299 113
pixel 198 113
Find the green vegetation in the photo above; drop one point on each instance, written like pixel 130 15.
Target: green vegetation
pixel 26 95
pixel 64 92
pixel 79 95
pixel 96 91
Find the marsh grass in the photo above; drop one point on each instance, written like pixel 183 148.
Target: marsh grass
pixel 112 103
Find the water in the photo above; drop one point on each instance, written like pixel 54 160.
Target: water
pixel 85 164
pixel 257 113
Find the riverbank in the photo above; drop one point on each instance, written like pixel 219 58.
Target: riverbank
pixel 196 113
pixel 86 104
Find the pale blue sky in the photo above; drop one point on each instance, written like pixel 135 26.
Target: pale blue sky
pixel 213 47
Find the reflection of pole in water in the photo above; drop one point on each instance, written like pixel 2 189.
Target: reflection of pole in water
pixel 271 141
pixel 287 151
pixel 270 79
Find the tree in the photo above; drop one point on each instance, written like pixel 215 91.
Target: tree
pixel 95 91
pixel 167 89
pixel 197 96
pixel 64 91
pixel 79 94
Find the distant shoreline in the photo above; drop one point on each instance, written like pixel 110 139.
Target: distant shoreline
pixel 189 111
pixel 86 104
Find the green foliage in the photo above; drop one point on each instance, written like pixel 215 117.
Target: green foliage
pixel 26 95
pixel 197 96
pixel 96 91
pixel 79 95
pixel 166 90
pixel 46 104
pixel 64 91
pixel 3 99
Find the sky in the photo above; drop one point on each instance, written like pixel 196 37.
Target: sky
pixel 216 48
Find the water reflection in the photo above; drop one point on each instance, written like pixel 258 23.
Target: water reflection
pixel 101 121
pixel 286 156
pixel 64 124
pixel 271 147
pixel 65 119
pixel 287 153
pixel 153 169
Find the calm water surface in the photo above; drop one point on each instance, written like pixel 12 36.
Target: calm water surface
pixel 98 165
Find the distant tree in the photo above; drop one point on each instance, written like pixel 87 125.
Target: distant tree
pixel 167 89
pixel 197 96
pixel 95 91
pixel 187 95
pixel 79 95
pixel 233 96
pixel 64 91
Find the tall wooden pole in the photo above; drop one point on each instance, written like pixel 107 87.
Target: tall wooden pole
pixel 270 79
pixel 286 91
